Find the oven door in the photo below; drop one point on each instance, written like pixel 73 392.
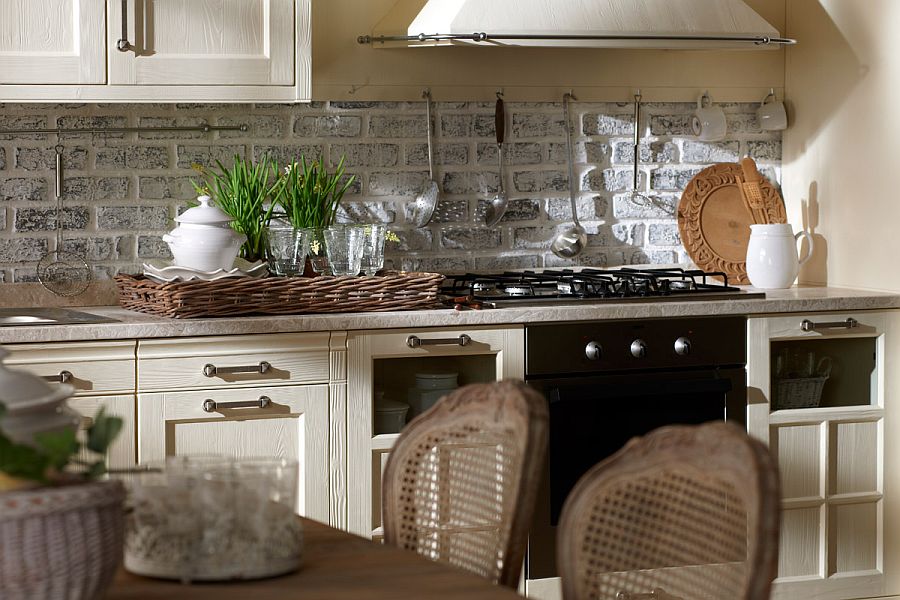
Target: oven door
pixel 593 417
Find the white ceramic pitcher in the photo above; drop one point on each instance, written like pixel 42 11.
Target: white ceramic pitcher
pixel 772 258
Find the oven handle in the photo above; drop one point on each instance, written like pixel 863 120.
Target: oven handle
pixel 651 388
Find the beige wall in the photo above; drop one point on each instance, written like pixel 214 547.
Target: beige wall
pixel 345 70
pixel 840 157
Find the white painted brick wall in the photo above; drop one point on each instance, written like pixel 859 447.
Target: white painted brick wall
pixel 122 190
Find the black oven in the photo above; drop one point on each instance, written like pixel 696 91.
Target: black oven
pixel 606 382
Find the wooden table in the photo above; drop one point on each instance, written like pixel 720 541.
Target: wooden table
pixel 336 565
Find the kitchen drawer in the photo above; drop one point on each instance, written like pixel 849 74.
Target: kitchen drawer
pixel 284 421
pixel 211 362
pixel 90 367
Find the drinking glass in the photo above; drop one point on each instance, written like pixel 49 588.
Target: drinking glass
pixel 318 257
pixel 344 247
pixel 373 249
pixel 286 249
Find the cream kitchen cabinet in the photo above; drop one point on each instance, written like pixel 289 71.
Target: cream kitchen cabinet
pixel 102 374
pixel 164 50
pixel 837 465
pixel 241 396
pixel 388 361
pixel 52 42
pixel 201 42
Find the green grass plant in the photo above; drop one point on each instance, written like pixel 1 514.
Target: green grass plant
pixel 308 195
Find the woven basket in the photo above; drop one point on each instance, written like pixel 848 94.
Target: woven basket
pixel 279 295
pixel 799 392
pixel 60 543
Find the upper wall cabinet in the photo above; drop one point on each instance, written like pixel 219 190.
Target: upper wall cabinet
pixel 201 42
pixel 52 41
pixel 155 50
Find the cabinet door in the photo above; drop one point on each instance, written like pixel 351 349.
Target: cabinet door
pixel 829 442
pixel 202 42
pixel 293 424
pixel 389 361
pixel 52 42
pixel 121 455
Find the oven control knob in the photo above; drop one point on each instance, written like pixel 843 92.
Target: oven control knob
pixel 639 348
pixel 593 351
pixel 682 346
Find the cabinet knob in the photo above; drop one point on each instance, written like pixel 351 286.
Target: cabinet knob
pixel 639 348
pixel 593 351
pixel 682 346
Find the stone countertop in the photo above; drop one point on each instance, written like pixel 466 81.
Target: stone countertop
pixel 133 325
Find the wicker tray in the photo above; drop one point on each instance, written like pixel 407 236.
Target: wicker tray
pixel 391 290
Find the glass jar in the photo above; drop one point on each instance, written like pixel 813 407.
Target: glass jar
pixel 211 518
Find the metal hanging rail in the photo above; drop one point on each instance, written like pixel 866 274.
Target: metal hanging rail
pixel 487 37
pixel 205 128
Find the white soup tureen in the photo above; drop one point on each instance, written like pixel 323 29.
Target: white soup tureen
pixel 204 239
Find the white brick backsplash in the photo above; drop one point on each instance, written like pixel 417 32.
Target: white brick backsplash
pixel 121 190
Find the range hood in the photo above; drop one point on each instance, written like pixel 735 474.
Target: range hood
pixel 671 24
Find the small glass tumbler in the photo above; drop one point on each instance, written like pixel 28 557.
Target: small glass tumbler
pixel 286 249
pixel 344 246
pixel 318 257
pixel 373 249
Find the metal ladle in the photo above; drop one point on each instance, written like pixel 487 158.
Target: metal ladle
pixel 570 242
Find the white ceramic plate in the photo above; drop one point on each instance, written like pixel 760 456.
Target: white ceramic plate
pixel 166 272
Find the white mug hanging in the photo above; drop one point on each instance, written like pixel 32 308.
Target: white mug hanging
pixel 771 113
pixel 708 122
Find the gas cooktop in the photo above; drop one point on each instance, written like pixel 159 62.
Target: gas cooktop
pixel 590 285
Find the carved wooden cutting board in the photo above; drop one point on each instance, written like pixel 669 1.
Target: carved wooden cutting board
pixel 714 219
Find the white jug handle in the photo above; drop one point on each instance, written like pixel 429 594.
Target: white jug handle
pixel 809 250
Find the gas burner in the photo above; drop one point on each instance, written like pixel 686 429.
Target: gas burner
pixel 518 291
pixel 610 285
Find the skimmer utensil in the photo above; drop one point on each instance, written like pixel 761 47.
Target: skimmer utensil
pixel 570 242
pixel 423 207
pixel 63 273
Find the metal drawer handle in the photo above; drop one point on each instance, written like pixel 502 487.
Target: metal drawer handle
pixel 212 406
pixel 415 341
pixel 62 377
pixel 210 370
pixel 808 325
pixel 123 45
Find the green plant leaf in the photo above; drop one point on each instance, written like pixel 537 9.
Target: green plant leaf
pixel 57 446
pixel 102 432
pixel 23 462
pixel 96 470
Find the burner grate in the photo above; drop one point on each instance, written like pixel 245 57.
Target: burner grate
pixel 593 284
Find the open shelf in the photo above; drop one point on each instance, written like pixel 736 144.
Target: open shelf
pixel 849 363
pixel 397 376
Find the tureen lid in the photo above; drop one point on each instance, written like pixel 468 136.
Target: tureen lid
pixel 205 214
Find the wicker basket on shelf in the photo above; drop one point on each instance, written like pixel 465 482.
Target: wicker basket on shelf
pixel 60 543
pixel 279 295
pixel 798 392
